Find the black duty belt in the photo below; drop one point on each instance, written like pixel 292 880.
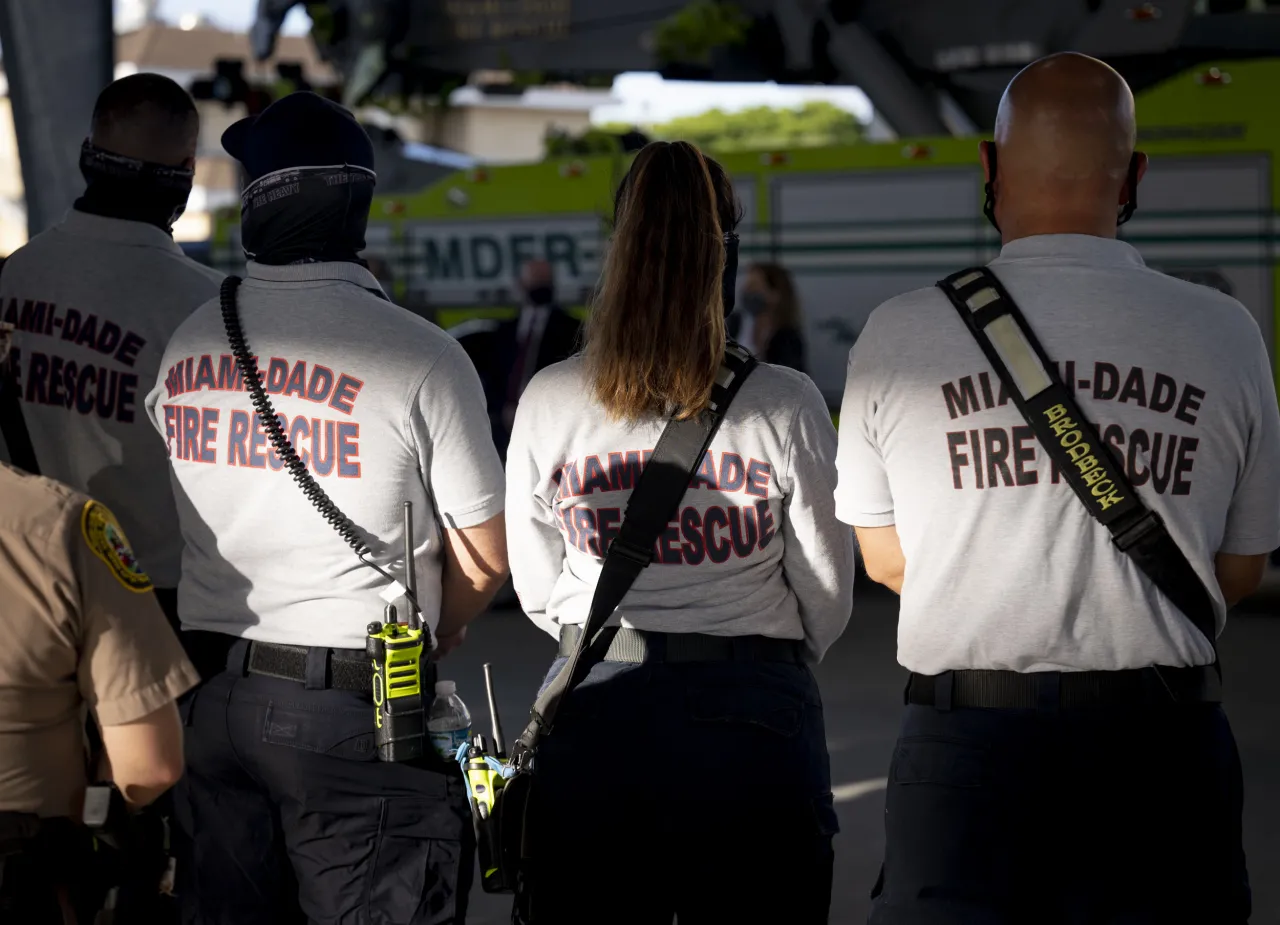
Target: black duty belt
pixel 1064 690
pixel 344 669
pixel 630 645
pixel 317 668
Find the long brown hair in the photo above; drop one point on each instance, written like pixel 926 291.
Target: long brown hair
pixel 656 335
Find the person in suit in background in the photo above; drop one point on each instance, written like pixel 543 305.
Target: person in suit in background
pixel 543 333
pixel 768 321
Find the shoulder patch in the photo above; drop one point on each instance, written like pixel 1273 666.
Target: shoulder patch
pixel 103 534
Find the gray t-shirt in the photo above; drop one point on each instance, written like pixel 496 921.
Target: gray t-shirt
pixel 95 301
pixel 1005 567
pixel 382 406
pixel 755 547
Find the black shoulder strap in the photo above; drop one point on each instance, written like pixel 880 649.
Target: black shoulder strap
pixel 1072 442
pixel 653 501
pixel 13 425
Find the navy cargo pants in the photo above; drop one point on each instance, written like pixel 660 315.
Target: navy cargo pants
pixel 1110 816
pixel 289 817
pixel 697 791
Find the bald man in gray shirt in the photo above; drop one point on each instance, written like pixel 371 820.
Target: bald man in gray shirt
pixel 1064 756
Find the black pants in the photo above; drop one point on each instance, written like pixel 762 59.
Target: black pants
pixel 1127 816
pixel 53 870
pixel 698 790
pixel 289 817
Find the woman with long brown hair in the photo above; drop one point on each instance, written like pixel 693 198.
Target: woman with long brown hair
pixel 688 775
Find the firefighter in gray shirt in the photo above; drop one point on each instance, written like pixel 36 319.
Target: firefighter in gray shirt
pixel 717 783
pixel 287 816
pixel 1063 757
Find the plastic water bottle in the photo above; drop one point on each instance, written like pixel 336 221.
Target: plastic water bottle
pixel 449 722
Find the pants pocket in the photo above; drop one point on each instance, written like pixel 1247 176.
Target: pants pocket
pixel 340 734
pixel 938 760
pixel 422 868
pixel 761 708
pixel 824 810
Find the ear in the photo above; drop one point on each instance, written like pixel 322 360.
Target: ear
pixel 985 156
pixel 189 163
pixel 1139 161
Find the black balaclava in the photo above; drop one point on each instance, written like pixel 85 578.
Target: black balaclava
pixel 310 181
pixel 131 189
pixel 306 214
pixel 729 281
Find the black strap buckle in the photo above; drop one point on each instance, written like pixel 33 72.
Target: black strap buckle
pixel 1138 531
pixel 637 554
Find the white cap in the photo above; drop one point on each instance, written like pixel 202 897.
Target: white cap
pixel 446 688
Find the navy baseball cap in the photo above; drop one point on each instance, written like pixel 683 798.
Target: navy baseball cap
pixel 302 129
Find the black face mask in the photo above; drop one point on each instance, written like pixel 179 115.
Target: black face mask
pixel 989 205
pixel 133 190
pixel 729 282
pixel 306 213
pixel 541 295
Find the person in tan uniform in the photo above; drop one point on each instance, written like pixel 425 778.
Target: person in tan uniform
pixel 82 631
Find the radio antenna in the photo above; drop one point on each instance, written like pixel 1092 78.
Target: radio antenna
pixel 498 748
pixel 410 571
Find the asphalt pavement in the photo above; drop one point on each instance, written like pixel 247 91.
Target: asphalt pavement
pixel 862 692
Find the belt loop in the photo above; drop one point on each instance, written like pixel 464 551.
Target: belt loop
pixel 943 686
pixel 317 665
pixel 655 646
pixel 238 657
pixel 1048 691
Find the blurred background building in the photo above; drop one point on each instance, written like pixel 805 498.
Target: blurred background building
pixel 498 126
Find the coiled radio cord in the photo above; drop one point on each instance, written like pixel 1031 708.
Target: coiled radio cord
pixel 341 523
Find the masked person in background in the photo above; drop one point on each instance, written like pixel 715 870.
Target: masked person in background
pixel 96 298
pixel 290 812
pixel 542 334
pixel 769 322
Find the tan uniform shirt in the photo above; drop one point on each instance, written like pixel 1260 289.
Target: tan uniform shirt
pixel 80 627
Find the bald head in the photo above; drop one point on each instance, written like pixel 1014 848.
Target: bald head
pixel 1065 136
pixel 148 117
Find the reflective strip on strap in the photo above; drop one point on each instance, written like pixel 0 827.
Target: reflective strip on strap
pixel 1019 358
pixel 981 299
pixel 1007 337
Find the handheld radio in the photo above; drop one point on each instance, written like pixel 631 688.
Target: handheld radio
pixel 399 712
pixel 484 784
